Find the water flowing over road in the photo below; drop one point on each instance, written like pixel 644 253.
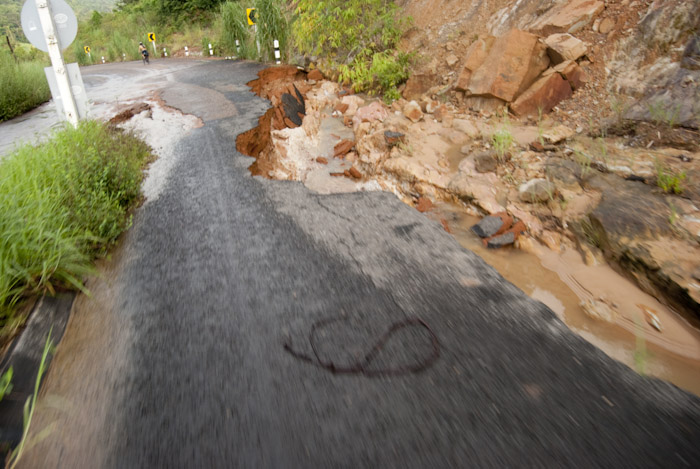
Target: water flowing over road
pixel 203 341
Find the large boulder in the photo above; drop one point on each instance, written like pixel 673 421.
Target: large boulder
pixel 571 72
pixel 475 56
pixel 567 17
pixel 542 96
pixel 513 63
pixel 564 46
pixel 418 84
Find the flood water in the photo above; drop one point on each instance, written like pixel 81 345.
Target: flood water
pixel 562 281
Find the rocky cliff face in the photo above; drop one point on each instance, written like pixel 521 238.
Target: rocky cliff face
pixel 643 53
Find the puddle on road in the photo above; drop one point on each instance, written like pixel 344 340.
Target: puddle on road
pixel 555 280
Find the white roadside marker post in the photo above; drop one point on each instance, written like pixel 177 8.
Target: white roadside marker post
pixel 257 41
pixel 187 52
pixel 103 59
pixel 123 57
pixel 276 44
pixel 211 50
pixel 59 66
pixel 238 47
pixel 165 52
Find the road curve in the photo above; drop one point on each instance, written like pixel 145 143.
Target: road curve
pixel 178 359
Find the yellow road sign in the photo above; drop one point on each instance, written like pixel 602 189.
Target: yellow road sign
pixel 250 14
pixel 152 37
pixel 86 49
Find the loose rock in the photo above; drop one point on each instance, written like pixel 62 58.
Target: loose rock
pixel 513 63
pixel 424 204
pixel 342 147
pixel 536 190
pixel 485 162
pixel 562 47
pixel 393 138
pixel 413 111
pixel 493 225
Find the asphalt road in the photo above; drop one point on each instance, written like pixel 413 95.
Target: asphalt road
pixel 178 359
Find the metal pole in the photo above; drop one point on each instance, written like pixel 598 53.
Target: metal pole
pixel 57 63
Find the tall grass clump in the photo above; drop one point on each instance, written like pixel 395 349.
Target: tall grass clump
pixel 355 40
pixel 23 86
pixel 63 203
pixel 271 21
pixel 272 24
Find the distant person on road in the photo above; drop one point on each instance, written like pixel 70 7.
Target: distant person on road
pixel 144 52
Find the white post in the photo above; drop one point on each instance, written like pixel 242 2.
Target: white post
pixel 57 63
pixel 165 52
pixel 238 47
pixel 278 56
pixel 154 49
pixel 103 59
pixel 211 51
pixel 123 57
pixel 257 42
pixel 187 52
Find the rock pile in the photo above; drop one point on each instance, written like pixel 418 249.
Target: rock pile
pixel 521 69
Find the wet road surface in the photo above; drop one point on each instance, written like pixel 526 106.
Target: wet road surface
pixel 178 359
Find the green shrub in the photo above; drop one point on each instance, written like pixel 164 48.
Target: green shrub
pixel 23 86
pixel 357 38
pixel 668 180
pixel 64 202
pixel 383 73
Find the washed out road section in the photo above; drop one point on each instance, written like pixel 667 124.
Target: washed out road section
pixel 178 359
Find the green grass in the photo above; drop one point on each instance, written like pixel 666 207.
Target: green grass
pixel 670 181
pixel 23 86
pixel 63 203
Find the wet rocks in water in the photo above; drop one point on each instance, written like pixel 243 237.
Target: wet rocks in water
pixel 342 148
pixel 485 162
pixel 413 111
pixel 493 225
pixel 598 310
pixel 536 190
pixel 393 138
pixel 508 237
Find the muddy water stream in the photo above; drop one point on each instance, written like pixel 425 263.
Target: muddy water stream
pixel 562 281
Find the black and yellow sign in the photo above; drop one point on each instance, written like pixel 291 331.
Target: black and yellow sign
pixel 250 14
pixel 86 49
pixel 152 37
